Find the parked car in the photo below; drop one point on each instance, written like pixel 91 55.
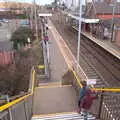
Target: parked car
pixel 5 20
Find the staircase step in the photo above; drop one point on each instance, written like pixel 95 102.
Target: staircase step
pixel 72 116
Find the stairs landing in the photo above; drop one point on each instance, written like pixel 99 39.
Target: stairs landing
pixel 62 116
pixel 54 99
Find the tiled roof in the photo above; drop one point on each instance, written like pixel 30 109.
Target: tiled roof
pixel 104 8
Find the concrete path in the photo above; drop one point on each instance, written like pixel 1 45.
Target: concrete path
pixel 57 63
pixel 54 99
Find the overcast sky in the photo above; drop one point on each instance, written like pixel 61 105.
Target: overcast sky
pixel 41 2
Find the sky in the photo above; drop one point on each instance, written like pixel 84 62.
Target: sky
pixel 41 2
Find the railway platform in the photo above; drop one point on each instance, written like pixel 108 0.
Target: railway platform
pixel 53 101
pixel 58 65
pixel 105 44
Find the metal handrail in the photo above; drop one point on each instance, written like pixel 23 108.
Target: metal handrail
pixel 31 91
pixel 95 89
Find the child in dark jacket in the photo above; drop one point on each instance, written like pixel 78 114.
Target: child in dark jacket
pixel 87 102
pixel 82 93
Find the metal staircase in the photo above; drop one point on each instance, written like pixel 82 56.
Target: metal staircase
pixel 64 116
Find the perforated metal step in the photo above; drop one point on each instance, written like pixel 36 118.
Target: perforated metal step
pixel 70 116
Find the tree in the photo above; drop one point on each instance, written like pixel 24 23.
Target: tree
pixel 20 37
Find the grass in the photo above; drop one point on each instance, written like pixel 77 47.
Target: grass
pixel 22 16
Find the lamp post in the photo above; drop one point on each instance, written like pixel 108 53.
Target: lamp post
pixel 28 40
pixel 78 48
pixel 112 24
pixel 36 20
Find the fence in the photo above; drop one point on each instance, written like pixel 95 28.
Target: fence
pixel 20 111
pixel 108 103
pixel 6 57
pixel 21 108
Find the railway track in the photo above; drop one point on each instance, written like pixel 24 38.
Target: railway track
pixel 93 59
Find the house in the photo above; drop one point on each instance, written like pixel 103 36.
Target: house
pixel 10 9
pixel 103 10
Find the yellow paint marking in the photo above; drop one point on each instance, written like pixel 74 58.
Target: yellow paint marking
pixel 53 86
pixel 41 66
pixel 49 84
pixel 53 114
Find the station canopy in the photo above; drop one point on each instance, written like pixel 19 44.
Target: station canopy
pixel 45 14
pixel 85 20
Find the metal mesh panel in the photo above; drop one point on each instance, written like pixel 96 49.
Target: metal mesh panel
pixel 28 107
pixel 4 115
pixel 18 111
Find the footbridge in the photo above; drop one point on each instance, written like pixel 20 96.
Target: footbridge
pixel 49 101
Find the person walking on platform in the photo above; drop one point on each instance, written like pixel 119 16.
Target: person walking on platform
pixel 46 38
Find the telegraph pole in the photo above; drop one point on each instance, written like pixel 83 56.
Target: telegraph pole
pixel 31 17
pixel 36 20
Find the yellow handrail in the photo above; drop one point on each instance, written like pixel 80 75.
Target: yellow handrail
pixel 7 105
pixel 95 89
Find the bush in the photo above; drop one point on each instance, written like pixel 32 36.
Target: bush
pixel 15 78
pixel 20 37
pixel 22 16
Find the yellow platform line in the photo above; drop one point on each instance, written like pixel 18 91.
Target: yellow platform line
pixel 50 83
pixel 53 86
pixel 52 114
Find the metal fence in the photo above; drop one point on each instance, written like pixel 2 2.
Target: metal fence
pixel 107 106
pixel 21 108
pixel 19 111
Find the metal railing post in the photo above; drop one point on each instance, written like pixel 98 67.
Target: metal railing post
pixel 9 109
pixel 25 110
pixel 100 106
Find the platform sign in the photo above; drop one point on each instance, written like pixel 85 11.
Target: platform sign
pixel 45 14
pixel 91 81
